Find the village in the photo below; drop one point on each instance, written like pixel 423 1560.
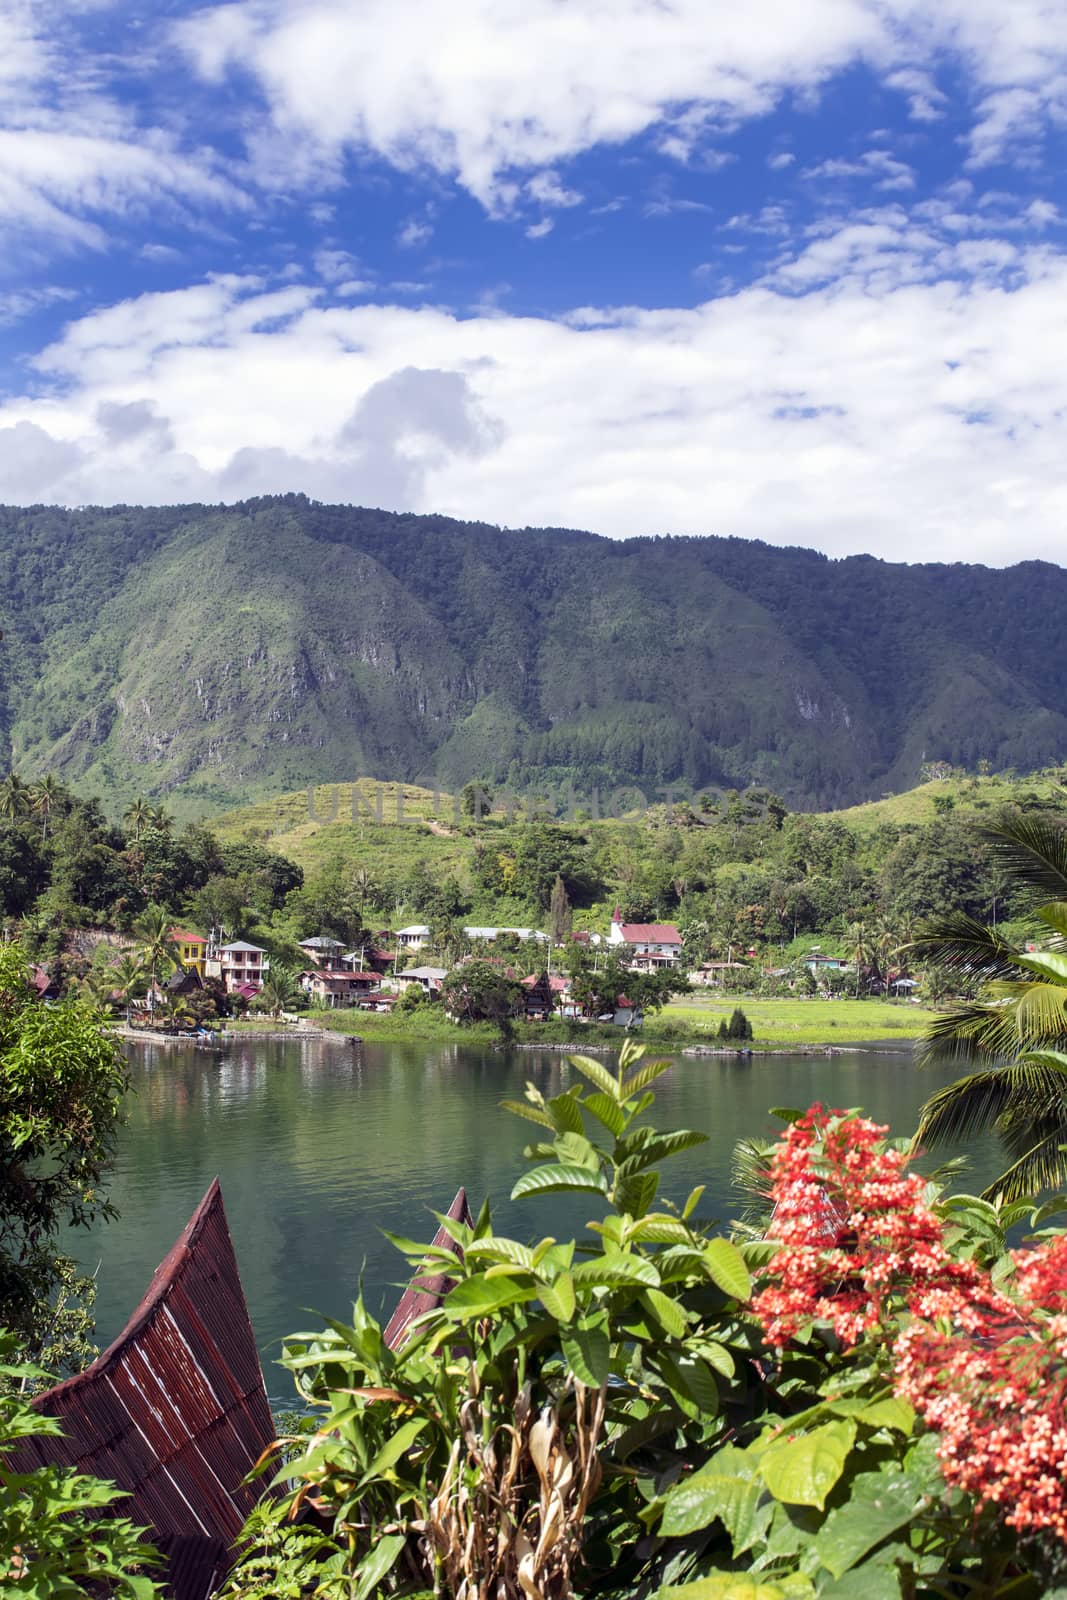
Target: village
pixel 380 973
pixel 505 973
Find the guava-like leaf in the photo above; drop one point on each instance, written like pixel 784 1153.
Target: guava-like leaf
pixel 802 1471
pixel 727 1269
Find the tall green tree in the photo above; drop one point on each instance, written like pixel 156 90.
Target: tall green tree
pixel 62 1084
pixel 14 797
pixel 154 945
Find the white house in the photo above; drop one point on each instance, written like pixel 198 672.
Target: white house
pixel 413 938
pixel 429 979
pixel 652 945
pixel 240 965
pixel 490 935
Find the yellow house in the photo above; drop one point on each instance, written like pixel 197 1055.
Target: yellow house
pixel 192 948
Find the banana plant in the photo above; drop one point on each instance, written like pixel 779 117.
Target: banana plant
pixel 521 1434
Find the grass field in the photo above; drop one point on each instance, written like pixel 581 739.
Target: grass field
pixel 971 794
pixel 803 1021
pixel 777 1023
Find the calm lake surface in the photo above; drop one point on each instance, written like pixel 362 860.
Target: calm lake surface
pixel 319 1146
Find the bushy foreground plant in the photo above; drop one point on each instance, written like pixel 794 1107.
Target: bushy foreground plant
pixel 59 1536
pixel 632 1415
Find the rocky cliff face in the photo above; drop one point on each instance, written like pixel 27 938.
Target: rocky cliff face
pixel 217 654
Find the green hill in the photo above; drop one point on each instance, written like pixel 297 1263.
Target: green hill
pixel 215 655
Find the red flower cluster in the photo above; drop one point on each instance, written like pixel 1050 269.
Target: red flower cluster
pixel 997 1394
pixel 854 1230
pixel 988 1373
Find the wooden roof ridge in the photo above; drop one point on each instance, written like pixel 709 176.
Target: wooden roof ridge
pixel 424 1293
pixel 174 1411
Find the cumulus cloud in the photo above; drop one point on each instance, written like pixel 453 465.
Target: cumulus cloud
pixel 71 153
pixel 886 395
pixel 480 90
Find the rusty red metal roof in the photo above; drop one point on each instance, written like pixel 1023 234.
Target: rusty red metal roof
pixel 175 1411
pixel 426 1293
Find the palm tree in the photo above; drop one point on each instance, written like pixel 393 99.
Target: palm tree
pixel 99 985
pixel 43 799
pixel 858 940
pixel 363 886
pixel 1015 1030
pixel 14 797
pixel 137 817
pixel 159 817
pixel 155 946
pixel 129 979
pixel 278 992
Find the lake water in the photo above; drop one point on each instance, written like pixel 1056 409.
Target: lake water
pixel 319 1146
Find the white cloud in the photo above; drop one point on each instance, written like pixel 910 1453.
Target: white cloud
pixel 901 393
pixel 70 153
pixel 546 189
pixel 414 232
pixel 873 166
pixel 333 265
pixel 482 89
pixel 539 230
pixel 783 159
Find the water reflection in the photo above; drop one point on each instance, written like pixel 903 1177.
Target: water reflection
pixel 320 1146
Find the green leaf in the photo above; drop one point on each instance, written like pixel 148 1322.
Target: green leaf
pixel 496 1249
pixel 520 1108
pixel 718 1359
pixel 726 1269
pixel 690 1382
pixel 692 1201
pixel 393 1449
pixel 566 1114
pixel 587 1352
pixel 889 1413
pixel 478 1296
pixel 606 1110
pixel 558 1297
pixel 634 1193
pixel 879 1504
pixel 726 1488
pixel 612 1269
pixel 574 1149
pixel 732 1586
pixel 659 1228
pixel 554 1177
pixel 380 1561
pixel 597 1073
pixel 643 1077
pixel 667 1312
pixel 802 1471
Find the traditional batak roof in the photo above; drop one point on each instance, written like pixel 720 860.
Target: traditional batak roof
pixel 174 1411
pixel 426 1293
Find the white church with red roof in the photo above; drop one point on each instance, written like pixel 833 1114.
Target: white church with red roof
pixel 651 944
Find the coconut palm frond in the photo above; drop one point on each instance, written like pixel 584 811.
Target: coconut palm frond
pixel 1031 848
pixel 1041 1167
pixel 1040 1014
pixel 1032 1089
pixel 959 943
pixel 969 1031
pixel 750 1176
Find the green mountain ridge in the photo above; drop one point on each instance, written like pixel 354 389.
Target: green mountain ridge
pixel 216 655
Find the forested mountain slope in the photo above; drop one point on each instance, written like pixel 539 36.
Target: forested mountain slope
pixel 217 654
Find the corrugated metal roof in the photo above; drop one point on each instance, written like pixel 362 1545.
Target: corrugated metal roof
pixel 425 1293
pixel 174 1411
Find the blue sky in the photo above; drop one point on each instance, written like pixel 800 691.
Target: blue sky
pixel 793 271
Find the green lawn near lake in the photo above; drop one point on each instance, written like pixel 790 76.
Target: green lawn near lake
pixel 813 1021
